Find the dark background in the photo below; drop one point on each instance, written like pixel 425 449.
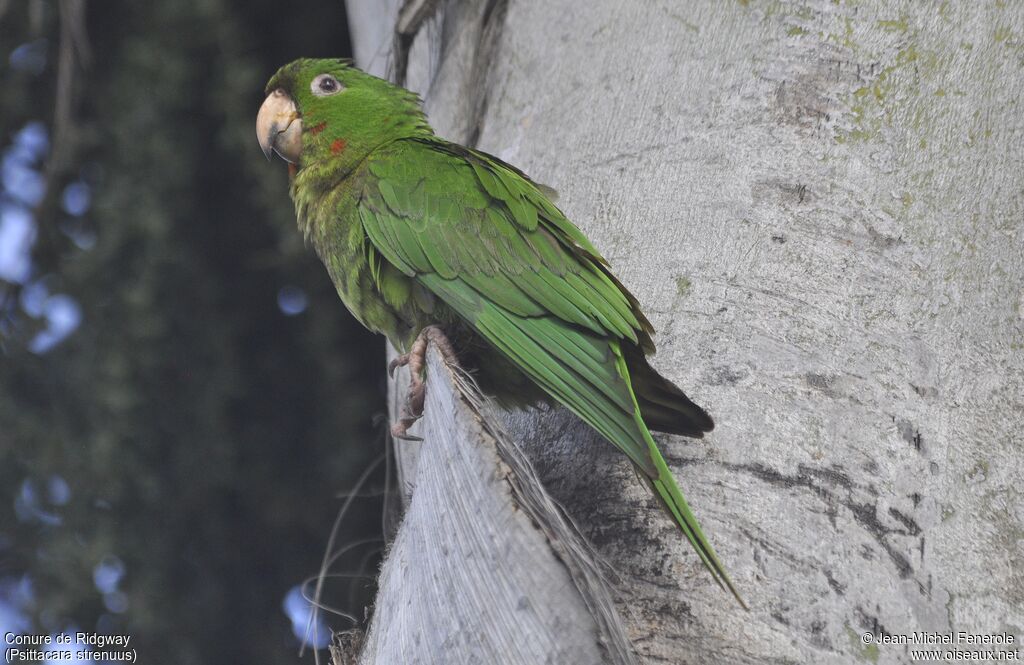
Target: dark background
pixel 183 398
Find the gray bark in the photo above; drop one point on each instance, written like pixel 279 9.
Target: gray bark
pixel 819 206
pixel 485 568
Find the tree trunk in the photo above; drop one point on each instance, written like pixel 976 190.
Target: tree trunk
pixel 819 206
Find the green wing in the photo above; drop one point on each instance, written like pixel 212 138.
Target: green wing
pixel 480 236
pixel 483 239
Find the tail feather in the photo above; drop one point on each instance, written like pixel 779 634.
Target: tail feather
pixel 664 484
pixel 667 490
pixel 664 406
pixel 665 418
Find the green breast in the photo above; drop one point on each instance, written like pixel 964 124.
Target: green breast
pixel 378 295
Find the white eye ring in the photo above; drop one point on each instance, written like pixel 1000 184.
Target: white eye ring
pixel 325 85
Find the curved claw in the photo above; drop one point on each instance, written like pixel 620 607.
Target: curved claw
pixel 400 430
pixel 398 361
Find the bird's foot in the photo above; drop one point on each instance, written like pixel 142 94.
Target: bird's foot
pixel 416 361
pixel 400 430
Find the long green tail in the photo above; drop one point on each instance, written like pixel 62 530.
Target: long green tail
pixel 572 367
pixel 667 490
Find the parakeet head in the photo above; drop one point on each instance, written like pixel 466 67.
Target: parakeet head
pixel 322 109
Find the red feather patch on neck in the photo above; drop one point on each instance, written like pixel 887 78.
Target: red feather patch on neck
pixel 338 146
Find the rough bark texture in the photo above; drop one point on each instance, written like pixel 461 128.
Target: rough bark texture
pixel 819 206
pixel 485 568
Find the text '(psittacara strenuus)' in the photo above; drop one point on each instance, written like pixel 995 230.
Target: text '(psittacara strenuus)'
pixel 428 240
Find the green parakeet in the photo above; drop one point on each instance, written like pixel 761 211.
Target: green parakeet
pixel 418 234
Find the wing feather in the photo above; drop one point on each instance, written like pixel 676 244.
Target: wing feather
pixel 484 240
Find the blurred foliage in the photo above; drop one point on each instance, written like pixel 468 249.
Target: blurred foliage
pixel 203 434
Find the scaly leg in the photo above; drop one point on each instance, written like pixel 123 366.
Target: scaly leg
pixel 416 360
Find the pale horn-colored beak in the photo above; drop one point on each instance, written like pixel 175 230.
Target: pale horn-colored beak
pixel 279 127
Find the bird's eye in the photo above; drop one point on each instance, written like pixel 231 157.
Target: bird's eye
pixel 326 85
